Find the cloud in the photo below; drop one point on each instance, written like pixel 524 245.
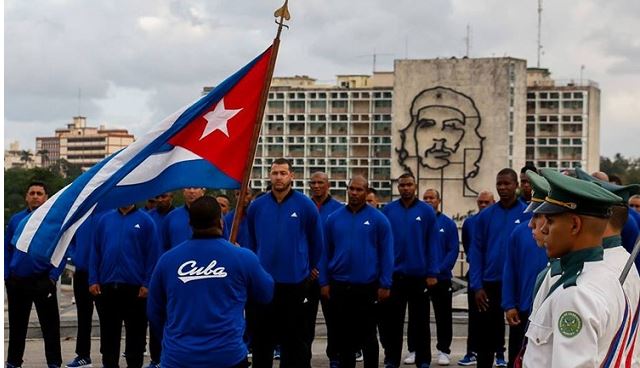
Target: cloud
pixel 160 53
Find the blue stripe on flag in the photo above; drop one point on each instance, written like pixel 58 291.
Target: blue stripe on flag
pixel 201 174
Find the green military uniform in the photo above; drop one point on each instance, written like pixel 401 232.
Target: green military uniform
pixel 580 306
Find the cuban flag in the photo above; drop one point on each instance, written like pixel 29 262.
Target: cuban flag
pixel 205 144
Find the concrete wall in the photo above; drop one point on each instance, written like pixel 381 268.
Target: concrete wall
pixel 453 123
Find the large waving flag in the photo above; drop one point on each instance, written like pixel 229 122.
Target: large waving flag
pixel 205 144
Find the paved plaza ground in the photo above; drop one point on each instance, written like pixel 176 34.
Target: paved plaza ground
pixel 34 354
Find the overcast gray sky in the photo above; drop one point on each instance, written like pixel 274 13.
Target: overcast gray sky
pixel 138 61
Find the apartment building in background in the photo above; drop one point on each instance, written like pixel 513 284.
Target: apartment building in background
pixel 563 122
pixel 81 144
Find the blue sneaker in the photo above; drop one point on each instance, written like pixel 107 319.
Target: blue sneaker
pixel 79 362
pixel 334 364
pixel 153 364
pixel 467 360
pixel 500 362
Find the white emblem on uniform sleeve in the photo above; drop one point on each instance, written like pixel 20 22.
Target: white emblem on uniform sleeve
pixel 441 230
pixel 517 221
pixel 418 218
pixel 137 226
pixel 190 271
pixel 294 215
pixel 367 222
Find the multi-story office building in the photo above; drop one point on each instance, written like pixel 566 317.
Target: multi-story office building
pixel 82 145
pixel 343 130
pixel 15 157
pixel 563 122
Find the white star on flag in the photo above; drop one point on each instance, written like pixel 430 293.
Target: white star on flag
pixel 218 119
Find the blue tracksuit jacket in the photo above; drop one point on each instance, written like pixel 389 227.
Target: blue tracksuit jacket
pixel 524 261
pixel 358 248
pixel 175 227
pixel 197 297
pixel 415 238
pixel 329 206
pixel 449 245
pixel 125 249
pixel 286 236
pixel 243 231
pixel 491 235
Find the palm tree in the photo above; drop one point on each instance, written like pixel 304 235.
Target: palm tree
pixel 44 157
pixel 25 156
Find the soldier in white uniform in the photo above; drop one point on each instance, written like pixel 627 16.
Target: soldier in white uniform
pixel 615 257
pixel 578 321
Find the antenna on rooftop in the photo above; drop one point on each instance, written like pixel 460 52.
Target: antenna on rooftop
pixel 375 57
pixel 539 30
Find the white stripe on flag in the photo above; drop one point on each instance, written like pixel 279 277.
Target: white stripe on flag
pixel 155 164
pixel 65 239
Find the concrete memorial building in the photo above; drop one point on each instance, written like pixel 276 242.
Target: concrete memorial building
pixel 456 122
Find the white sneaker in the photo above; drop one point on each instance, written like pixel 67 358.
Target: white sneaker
pixel 443 358
pixel 410 358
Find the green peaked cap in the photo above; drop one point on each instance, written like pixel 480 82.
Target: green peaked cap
pixel 567 194
pixel 540 190
pixel 622 191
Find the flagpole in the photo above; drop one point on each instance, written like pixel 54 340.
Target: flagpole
pixel 282 14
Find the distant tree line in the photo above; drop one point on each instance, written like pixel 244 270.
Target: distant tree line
pixel 627 169
pixel 16 180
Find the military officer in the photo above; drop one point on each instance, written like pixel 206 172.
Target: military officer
pixel 576 322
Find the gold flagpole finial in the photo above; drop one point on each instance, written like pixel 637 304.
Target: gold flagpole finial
pixel 282 14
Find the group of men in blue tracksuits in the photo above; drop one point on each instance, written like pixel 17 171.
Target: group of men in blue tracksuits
pixel 175 268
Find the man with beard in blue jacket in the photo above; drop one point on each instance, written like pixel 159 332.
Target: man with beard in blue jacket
pixel 285 232
pixel 416 255
pixel 125 251
pixel 198 292
pixel 487 257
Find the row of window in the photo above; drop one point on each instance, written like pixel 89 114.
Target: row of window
pixel 552 105
pixel 322 140
pixel 562 164
pixel 323 95
pixel 554 141
pixel 322 162
pixel 555 95
pixel 554 118
pixel 328 117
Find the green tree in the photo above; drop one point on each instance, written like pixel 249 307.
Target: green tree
pixel 627 169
